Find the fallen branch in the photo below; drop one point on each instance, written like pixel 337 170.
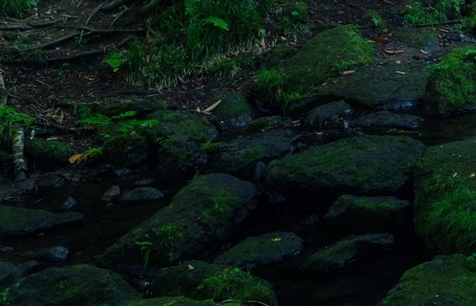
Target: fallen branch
pixel 52 43
pixel 18 148
pixel 88 20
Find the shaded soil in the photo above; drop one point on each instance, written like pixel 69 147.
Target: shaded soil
pixel 53 59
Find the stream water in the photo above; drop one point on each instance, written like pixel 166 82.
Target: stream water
pixel 364 282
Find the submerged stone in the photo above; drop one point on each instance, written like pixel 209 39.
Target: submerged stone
pixel 17 221
pixel 347 250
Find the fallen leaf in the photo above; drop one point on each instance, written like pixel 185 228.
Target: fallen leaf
pixel 211 107
pixel 423 51
pixel 443 30
pixel 77 158
pixel 276 239
pixel 190 267
pixel 400 72
pixel 398 62
pixel 382 40
pixel 472 174
pixel 348 72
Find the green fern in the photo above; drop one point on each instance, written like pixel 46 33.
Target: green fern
pixel 218 22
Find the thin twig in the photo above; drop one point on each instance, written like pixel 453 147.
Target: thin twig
pixel 118 16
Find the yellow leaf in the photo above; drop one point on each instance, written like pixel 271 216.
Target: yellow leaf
pixel 77 158
pixel 276 239
pixel 472 174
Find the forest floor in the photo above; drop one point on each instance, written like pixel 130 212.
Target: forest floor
pixel 60 52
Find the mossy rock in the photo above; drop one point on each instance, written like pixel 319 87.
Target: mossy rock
pixel 362 165
pixel 451 87
pixel 172 301
pixel 239 157
pixel 48 154
pixel 17 221
pixel 202 281
pixel 445 193
pixel 76 286
pixel 327 55
pixel 260 250
pixel 359 215
pixel 197 220
pixel 347 250
pixel 128 150
pixel 234 110
pixel 445 280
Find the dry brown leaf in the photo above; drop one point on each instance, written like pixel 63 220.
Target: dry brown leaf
pixel 382 40
pixel 77 158
pixel 211 107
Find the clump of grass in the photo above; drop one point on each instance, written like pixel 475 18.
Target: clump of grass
pixel 16 8
pixel 236 284
pixel 375 20
pixel 446 214
pixel 455 77
pixel 271 81
pixel 444 10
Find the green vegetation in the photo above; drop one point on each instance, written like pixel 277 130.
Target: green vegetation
pixel 16 8
pixel 455 77
pixel 235 284
pixel 193 38
pixel 446 213
pixel 271 82
pixel 10 120
pixel 444 10
pixel 164 240
pixel 375 20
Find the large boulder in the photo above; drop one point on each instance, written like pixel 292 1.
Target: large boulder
pixel 76 286
pixel 445 193
pixel 326 55
pixel 451 87
pixel 197 220
pixel 362 165
pixel 202 281
pixel 445 280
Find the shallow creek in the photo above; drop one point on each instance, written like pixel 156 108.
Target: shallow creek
pixel 364 282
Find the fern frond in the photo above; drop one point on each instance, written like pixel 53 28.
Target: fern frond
pixel 218 22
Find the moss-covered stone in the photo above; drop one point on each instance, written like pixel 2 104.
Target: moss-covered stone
pixel 264 249
pixel 172 301
pixel 445 280
pixel 198 218
pixel 17 221
pixel 203 281
pixel 451 87
pixel 445 196
pixel 76 286
pixel 360 215
pixel 326 55
pixel 234 110
pixel 129 150
pixel 362 165
pixel 48 154
pixel 347 250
